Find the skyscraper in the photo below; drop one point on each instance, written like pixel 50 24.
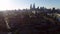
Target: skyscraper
pixel 34 6
pixel 31 6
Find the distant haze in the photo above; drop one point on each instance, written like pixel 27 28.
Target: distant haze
pixel 22 4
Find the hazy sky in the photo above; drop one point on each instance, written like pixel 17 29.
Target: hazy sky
pixel 22 4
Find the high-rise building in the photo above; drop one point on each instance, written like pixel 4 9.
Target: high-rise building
pixel 38 7
pixel 31 6
pixel 34 6
pixel 53 10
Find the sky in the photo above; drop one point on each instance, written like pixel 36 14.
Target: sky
pixel 23 4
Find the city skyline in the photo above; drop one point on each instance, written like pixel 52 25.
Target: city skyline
pixel 23 4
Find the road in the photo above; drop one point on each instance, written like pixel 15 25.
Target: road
pixel 7 25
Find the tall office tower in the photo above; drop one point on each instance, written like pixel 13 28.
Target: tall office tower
pixel 34 6
pixel 31 6
pixel 38 7
pixel 53 10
